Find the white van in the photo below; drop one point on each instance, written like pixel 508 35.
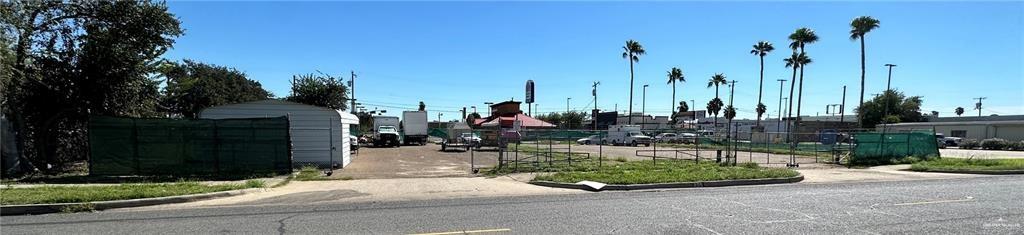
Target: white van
pixel 626 135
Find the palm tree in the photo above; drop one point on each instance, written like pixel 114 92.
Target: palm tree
pixel 792 62
pixel 716 80
pixel 730 112
pixel 714 106
pixel 959 111
pixel 632 52
pixel 761 49
pixel 804 61
pixel 675 74
pixel 800 38
pixel 859 27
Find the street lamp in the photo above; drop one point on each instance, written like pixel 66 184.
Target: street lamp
pixel 439 114
pixel 474 108
pixel 567 104
pixel 643 106
pixel 694 110
pixel 888 88
pixel 488 107
pixel 778 125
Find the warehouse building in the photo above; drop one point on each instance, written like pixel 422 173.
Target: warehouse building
pixel 978 128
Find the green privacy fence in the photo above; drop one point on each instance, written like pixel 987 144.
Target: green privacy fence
pixel 884 147
pixel 132 146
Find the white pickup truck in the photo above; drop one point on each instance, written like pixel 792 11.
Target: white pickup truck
pixel 385 131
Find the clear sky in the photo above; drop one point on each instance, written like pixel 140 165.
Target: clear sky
pixel 456 54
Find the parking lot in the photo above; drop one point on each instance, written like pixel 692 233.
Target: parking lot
pixel 413 162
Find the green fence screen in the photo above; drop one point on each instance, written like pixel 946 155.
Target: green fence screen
pixel 223 147
pixel 875 146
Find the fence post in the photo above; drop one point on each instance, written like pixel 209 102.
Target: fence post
pixel 570 147
pixel 135 147
pixel 600 149
pixel 216 148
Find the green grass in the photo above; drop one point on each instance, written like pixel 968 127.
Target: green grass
pixel 959 164
pixel 646 172
pixel 73 194
pixel 801 149
pixel 311 173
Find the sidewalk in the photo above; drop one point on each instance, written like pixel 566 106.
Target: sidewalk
pixel 372 190
pixel 268 182
pixel 878 173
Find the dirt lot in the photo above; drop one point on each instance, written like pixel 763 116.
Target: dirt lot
pixel 413 162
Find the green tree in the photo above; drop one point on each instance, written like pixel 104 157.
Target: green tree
pixel 760 50
pixel 959 111
pixel 423 107
pixel 193 86
pixel 472 117
pixel 901 109
pixel 799 39
pixel 730 112
pixel 675 74
pixel 682 108
pixel 714 106
pixel 77 59
pixel 859 28
pixel 319 90
pixel 792 62
pixel 715 81
pixel 632 52
pixel 573 120
pixel 553 118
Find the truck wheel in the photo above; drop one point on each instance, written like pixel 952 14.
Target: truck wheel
pixel 586 142
pixel 634 143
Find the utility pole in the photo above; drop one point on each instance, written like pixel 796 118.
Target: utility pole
pixel 463 113
pixel 842 106
pixel 596 110
pixel 784 109
pixel 694 110
pixel 729 128
pixel 352 84
pixel 778 125
pixel 978 105
pixel 489 108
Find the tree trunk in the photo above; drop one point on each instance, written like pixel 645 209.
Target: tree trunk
pixel 760 86
pixel 789 115
pixel 630 114
pixel 673 107
pixel 800 96
pixel 860 121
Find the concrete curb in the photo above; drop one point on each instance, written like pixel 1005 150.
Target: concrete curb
pixel 35 209
pixel 717 183
pixel 977 172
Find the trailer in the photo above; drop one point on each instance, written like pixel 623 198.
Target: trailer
pixel 460 137
pixel 414 127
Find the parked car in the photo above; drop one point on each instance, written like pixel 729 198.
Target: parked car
pixel 940 139
pixel 594 139
pixel 470 138
pixel 667 138
pixel 627 135
pixel 953 141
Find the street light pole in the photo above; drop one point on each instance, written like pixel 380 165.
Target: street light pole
pixel 567 104
pixel 643 106
pixel 352 84
pixel 489 107
pixel 778 125
pixel 888 88
pixel 596 110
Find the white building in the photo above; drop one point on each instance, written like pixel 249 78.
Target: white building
pixel 319 136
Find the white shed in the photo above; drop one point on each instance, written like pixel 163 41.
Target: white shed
pixel 319 136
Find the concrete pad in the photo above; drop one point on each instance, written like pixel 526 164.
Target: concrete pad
pixel 878 173
pixel 980 154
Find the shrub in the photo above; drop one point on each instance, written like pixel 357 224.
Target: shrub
pixel 750 165
pixel 969 144
pixel 993 144
pixel 1016 146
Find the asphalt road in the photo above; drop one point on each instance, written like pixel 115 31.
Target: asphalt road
pixel 984 205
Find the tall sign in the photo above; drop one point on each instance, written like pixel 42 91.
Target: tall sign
pixel 529 91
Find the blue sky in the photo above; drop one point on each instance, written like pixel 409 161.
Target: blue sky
pixel 456 54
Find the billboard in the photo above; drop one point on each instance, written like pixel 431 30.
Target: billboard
pixel 529 91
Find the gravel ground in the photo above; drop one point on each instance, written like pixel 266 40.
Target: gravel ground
pixel 630 153
pixel 413 162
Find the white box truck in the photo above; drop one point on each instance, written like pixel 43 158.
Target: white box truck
pixel 414 127
pixel 385 131
pixel 626 135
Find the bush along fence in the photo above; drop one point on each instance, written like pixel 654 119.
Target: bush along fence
pixel 132 146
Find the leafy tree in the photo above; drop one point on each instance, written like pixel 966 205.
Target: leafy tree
pixel 901 109
pixel 935 113
pixel 799 39
pixel 472 117
pixel 423 107
pixel 715 81
pixel 675 74
pixel 77 59
pixel 573 120
pixel 682 108
pixel 553 118
pixel 632 52
pixel 714 106
pixel 959 111
pixel 730 112
pixel 761 108
pixel 761 49
pixel 319 90
pixel 193 86
pixel 859 28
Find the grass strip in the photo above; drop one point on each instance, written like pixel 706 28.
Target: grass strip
pixel 75 194
pixel 960 164
pixel 646 172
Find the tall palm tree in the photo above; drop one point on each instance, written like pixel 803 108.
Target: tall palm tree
pixel 860 27
pixel 800 38
pixel 675 74
pixel 716 80
pixel 792 62
pixel 761 49
pixel 632 52
pixel 804 61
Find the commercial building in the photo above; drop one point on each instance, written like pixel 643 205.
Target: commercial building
pixel 1009 127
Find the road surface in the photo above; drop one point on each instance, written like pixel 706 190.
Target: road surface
pixel 983 205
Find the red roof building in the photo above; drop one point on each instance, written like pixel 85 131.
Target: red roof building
pixel 505 114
